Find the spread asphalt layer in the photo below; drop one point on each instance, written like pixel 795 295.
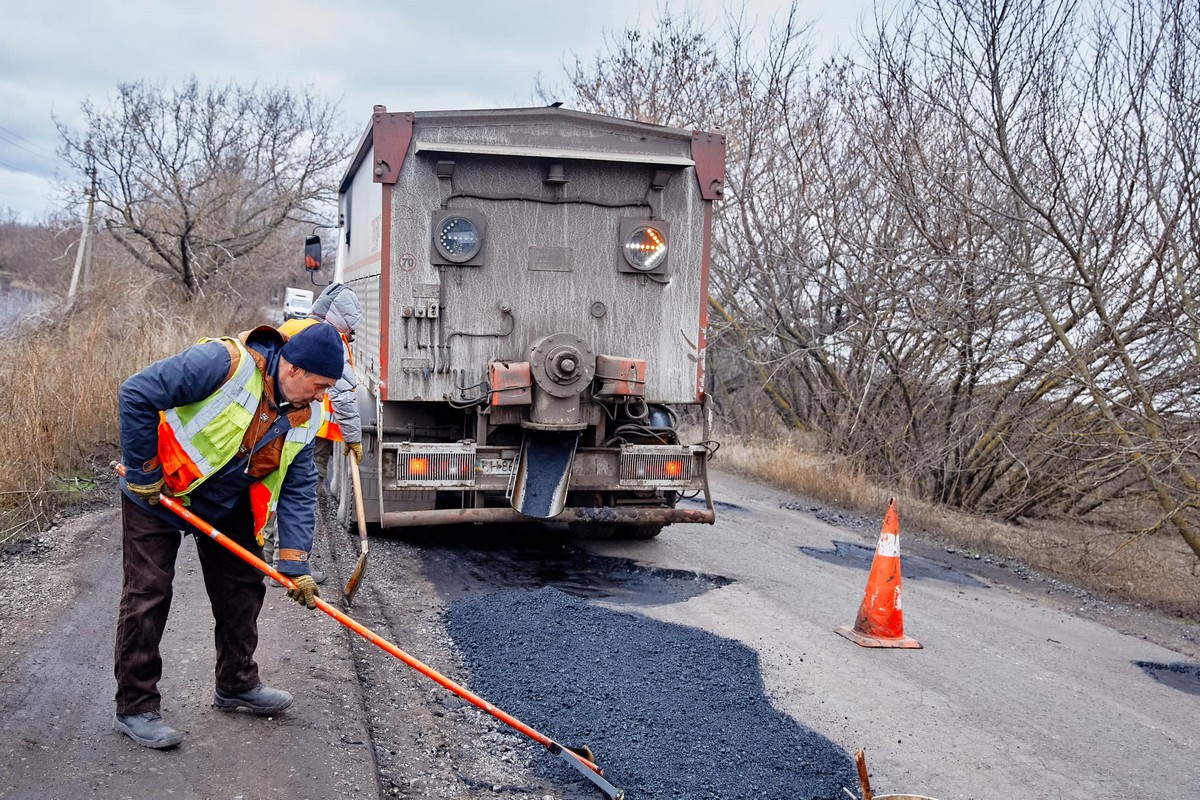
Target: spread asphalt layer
pixel 661 705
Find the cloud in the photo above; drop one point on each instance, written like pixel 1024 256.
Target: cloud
pixel 409 56
pixel 31 197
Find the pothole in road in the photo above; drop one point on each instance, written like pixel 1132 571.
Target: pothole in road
pixel 671 711
pixel 1182 676
pixel 849 554
pixel 462 562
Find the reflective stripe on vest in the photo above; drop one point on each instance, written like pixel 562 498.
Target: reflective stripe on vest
pixel 329 428
pixel 203 436
pixel 264 495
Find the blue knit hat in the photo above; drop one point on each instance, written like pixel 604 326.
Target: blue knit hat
pixel 318 349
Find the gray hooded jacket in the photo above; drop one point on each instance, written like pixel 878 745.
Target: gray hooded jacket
pixel 338 305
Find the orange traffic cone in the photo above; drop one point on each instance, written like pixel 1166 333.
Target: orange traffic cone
pixel 880 620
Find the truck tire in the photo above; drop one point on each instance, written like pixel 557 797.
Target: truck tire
pixel 636 532
pixel 593 530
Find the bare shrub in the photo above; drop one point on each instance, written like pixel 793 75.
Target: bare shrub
pixel 62 375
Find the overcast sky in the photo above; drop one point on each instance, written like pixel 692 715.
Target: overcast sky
pixel 409 56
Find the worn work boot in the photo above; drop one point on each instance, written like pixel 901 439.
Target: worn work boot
pixel 147 729
pixel 259 700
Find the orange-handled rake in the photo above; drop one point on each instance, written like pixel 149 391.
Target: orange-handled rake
pixel 579 757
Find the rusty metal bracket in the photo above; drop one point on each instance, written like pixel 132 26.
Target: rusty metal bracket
pixel 708 153
pixel 391 133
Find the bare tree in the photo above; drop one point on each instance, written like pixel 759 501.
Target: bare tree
pixel 970 262
pixel 670 73
pixel 1081 125
pixel 192 180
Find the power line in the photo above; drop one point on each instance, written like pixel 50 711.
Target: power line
pixel 6 165
pixel 23 171
pixel 15 139
pixel 33 153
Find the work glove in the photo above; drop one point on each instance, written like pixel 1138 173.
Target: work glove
pixel 305 591
pixel 148 492
pixel 356 449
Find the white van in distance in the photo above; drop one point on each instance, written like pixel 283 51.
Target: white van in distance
pixel 297 303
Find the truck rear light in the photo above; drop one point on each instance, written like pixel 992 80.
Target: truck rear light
pixel 443 465
pixel 644 246
pixel 665 466
pixel 620 377
pixel 458 237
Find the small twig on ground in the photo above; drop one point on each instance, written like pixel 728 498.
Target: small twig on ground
pixel 8 535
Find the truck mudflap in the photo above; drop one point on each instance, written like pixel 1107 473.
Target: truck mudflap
pixel 627 515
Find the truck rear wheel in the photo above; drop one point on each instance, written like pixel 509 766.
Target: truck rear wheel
pixel 635 532
pixel 593 530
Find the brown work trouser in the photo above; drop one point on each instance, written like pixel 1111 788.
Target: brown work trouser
pixel 235 592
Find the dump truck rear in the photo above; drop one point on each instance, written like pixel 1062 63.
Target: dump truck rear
pixel 535 286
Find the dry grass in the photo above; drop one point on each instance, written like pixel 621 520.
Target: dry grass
pixel 61 374
pixel 1157 571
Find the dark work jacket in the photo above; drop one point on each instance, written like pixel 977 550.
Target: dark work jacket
pixel 187 378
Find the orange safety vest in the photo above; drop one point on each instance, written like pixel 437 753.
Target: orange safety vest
pixel 329 428
pixel 196 440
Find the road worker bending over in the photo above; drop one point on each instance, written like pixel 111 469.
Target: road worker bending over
pixel 228 425
pixel 338 306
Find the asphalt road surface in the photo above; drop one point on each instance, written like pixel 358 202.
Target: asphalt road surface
pixel 699 664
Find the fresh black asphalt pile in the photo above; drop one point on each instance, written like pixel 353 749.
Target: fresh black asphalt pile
pixel 672 713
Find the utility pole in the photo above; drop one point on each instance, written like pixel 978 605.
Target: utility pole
pixel 84 256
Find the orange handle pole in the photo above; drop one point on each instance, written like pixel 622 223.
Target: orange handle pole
pixel 365 632
pixel 860 759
